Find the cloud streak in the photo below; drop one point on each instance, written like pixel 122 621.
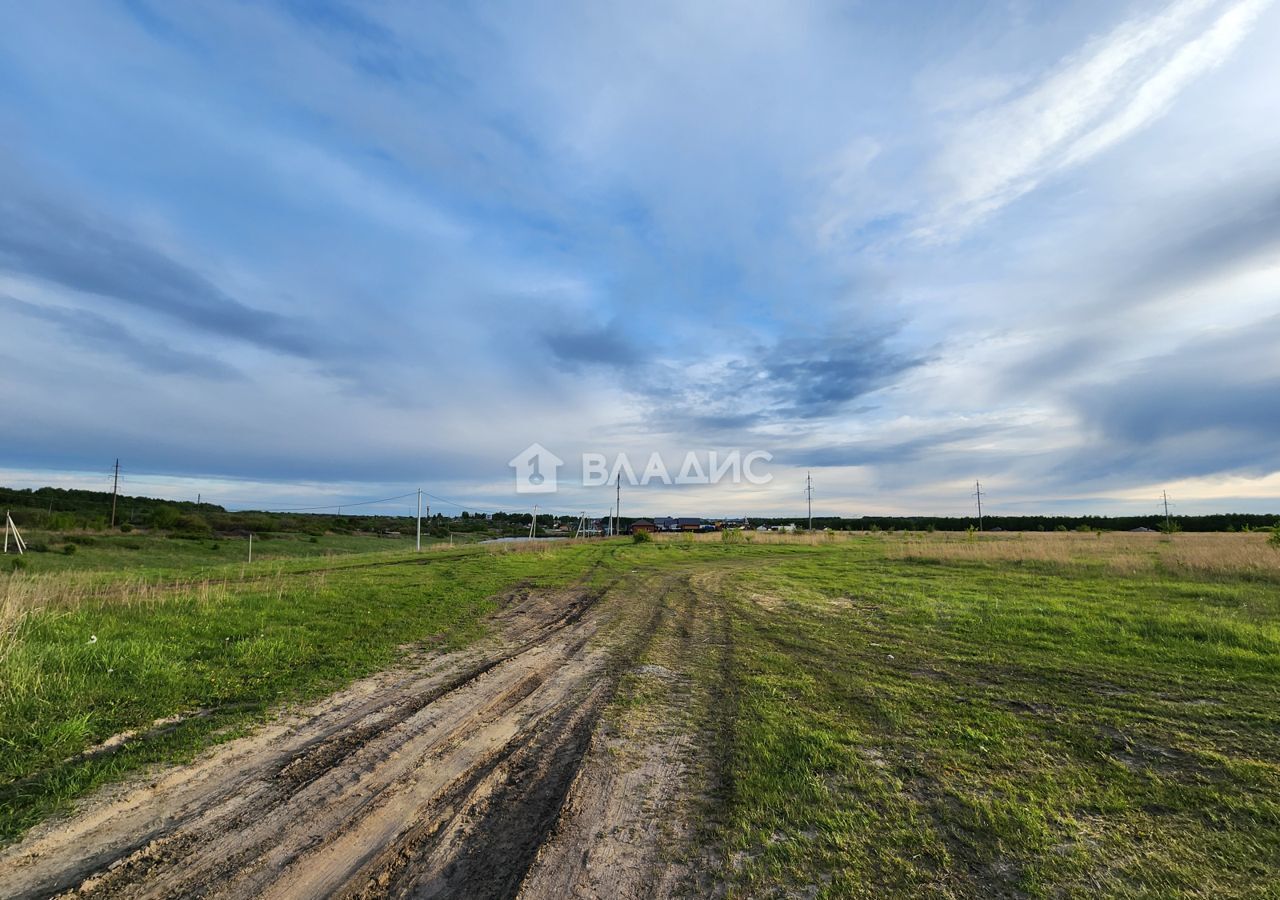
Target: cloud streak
pixel 1117 85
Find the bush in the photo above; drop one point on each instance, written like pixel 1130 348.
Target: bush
pixel 639 537
pixel 1274 540
pixel 126 528
pixel 17 563
pixel 38 547
pixel 69 549
pixel 191 525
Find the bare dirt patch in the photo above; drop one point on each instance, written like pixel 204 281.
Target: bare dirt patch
pixel 444 777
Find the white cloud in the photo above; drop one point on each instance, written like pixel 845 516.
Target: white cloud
pixel 1115 86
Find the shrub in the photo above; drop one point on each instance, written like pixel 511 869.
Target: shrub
pixel 1274 540
pixel 69 549
pixel 17 564
pixel 126 528
pixel 38 547
pixel 639 537
pixel 191 525
pixel 316 540
pixel 731 535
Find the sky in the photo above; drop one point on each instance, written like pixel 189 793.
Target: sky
pixel 291 253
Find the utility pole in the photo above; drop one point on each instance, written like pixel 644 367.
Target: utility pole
pixel 617 516
pixel 533 525
pixel 978 493
pixel 1168 524
pixel 419 543
pixel 18 542
pixel 808 492
pixel 198 496
pixel 115 489
pixel 250 546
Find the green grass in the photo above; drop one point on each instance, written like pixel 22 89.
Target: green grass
pixel 903 728
pixel 70 678
pixel 880 726
pixel 154 552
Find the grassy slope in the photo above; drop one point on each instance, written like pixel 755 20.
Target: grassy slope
pixel 72 677
pixel 970 729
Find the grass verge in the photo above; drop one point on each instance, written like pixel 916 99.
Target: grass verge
pixel 208 656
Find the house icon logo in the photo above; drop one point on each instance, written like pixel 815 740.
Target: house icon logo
pixel 535 467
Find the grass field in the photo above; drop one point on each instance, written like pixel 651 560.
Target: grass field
pixel 1021 715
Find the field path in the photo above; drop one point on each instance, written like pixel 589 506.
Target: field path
pixel 445 777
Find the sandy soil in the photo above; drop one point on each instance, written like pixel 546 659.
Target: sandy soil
pixel 482 773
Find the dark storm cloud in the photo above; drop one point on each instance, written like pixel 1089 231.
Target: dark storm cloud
pixel 1233 226
pixel 800 380
pixel 44 239
pixel 103 335
pixel 814 378
pixel 1210 406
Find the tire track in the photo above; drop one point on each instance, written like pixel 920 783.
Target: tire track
pixel 443 780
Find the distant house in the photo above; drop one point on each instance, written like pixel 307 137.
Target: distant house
pixel 1142 530
pixel 642 525
pixel 666 523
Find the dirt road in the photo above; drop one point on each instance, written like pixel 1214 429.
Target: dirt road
pixel 488 772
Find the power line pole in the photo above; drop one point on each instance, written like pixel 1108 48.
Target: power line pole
pixel 617 516
pixel 808 492
pixel 418 546
pixel 115 489
pixel 1168 525
pixel 978 493
pixel 533 525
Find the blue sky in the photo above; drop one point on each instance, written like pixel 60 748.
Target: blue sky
pixel 294 253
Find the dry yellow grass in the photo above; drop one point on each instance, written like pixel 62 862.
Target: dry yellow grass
pixel 1123 552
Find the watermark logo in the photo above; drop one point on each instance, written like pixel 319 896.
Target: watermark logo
pixel 536 469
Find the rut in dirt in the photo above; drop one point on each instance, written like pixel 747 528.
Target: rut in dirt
pixel 443 780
